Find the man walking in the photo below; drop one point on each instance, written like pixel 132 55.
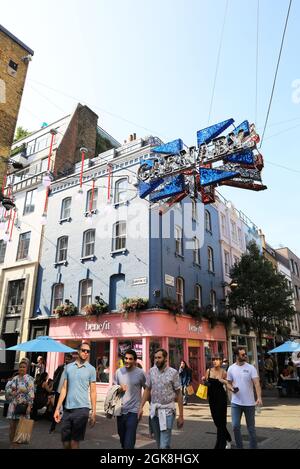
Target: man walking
pixel 131 380
pixel 162 388
pixel 242 377
pixel 58 381
pixel 80 379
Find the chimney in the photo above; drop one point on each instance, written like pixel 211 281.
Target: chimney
pixel 134 136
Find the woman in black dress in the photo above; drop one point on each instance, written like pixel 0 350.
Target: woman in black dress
pixel 217 398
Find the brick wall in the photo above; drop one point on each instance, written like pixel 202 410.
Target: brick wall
pixel 11 94
pixel 81 132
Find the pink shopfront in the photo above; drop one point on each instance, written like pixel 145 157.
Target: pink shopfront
pixel 111 334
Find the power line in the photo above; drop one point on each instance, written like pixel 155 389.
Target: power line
pixel 218 63
pixel 277 67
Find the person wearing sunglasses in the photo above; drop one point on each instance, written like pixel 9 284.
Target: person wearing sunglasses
pixel 79 384
pixel 244 377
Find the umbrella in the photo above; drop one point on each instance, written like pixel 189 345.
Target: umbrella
pixel 42 344
pixel 288 346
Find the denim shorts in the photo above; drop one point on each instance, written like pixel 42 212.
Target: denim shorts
pixel 74 423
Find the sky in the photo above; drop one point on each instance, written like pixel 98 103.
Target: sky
pixel 148 66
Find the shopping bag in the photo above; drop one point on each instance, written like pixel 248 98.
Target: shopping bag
pixel 202 391
pixel 190 390
pixel 23 431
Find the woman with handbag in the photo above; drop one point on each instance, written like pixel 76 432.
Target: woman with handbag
pixel 215 379
pixel 19 392
pixel 185 376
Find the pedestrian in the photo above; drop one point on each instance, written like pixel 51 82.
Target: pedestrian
pixel 58 380
pixel 131 380
pixel 225 364
pixel 40 366
pixel 242 376
pixel 269 369
pixel 19 392
pixel 216 379
pixel 185 376
pixel 79 382
pixel 163 388
pixel 296 363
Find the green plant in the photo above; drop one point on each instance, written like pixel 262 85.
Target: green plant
pixel 97 308
pixel 210 315
pixel 172 305
pixel 66 309
pixel 193 309
pixel 133 304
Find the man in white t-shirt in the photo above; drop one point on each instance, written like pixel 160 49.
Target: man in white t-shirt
pixel 242 377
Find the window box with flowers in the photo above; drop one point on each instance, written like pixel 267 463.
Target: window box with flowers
pixel 97 308
pixel 66 309
pixel 172 305
pixel 129 305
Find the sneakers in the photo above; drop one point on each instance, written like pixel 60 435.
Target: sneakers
pixel 228 445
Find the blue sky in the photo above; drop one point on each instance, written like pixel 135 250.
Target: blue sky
pixel 148 67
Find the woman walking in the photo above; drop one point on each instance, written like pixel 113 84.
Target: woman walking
pixel 217 398
pixel 19 392
pixel 185 376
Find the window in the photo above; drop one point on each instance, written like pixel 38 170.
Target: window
pixel 66 208
pixel 91 200
pixel 119 235
pixel 296 269
pixel 227 262
pixel 23 248
pixel 240 237
pixel 198 294
pixel 15 296
pixel 12 68
pixel 194 210
pixel 180 290
pixel 62 249
pixel 178 240
pixel 86 289
pixel 3 245
pixel 213 299
pixel 233 230
pixel 29 201
pixel 196 252
pixel 223 225
pixel 58 295
pixel 88 248
pixel 207 221
pixel 210 254
pixel 121 191
pixel 292 266
pixel 296 292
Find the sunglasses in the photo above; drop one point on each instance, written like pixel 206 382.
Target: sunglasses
pixel 85 350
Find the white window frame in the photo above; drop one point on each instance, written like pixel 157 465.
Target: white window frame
pixel 233 230
pixel 194 210
pixel 210 259
pixel 227 262
pixel 198 294
pixel 66 208
pixel 120 191
pixel 213 299
pixel 178 240
pixel 62 249
pixel 208 221
pixel 88 243
pixel 58 294
pixel 3 246
pixel 86 292
pixel 29 204
pixel 223 225
pixel 196 251
pixel 119 236
pixel 94 202
pixel 180 291
pixel 23 247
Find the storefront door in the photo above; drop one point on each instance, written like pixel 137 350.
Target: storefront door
pixel 194 363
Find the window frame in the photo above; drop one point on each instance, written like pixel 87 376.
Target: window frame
pixel 118 238
pixel 198 298
pixel 29 208
pixel 59 249
pixel 180 291
pixel 56 297
pixel 178 240
pixel 210 259
pixel 85 243
pixel 63 209
pixel 94 202
pixel 119 192
pixel 3 246
pixel 24 243
pixel 87 295
pixel 207 217
pixel 196 251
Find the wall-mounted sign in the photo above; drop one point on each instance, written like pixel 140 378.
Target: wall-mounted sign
pixel 97 326
pixel 169 280
pixel 139 281
pixel 194 328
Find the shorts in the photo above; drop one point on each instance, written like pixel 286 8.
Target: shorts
pixel 74 423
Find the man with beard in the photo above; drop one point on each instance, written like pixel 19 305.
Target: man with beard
pixel 162 389
pixel 242 377
pixel 131 380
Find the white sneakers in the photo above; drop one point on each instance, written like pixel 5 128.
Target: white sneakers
pixel 228 445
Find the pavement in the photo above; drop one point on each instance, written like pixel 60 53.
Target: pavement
pixel 278 427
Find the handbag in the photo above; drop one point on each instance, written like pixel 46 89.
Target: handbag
pixel 20 409
pixel 202 391
pixel 23 431
pixel 190 390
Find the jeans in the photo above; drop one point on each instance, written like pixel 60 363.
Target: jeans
pixel 127 425
pixel 236 415
pixel 163 438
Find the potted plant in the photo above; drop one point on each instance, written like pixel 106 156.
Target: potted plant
pixel 193 309
pixel 66 309
pixel 172 305
pixel 210 315
pixel 99 307
pixel 133 304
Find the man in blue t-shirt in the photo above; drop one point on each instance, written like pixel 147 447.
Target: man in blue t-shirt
pixel 79 382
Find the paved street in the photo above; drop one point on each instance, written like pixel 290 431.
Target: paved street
pixel 278 427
